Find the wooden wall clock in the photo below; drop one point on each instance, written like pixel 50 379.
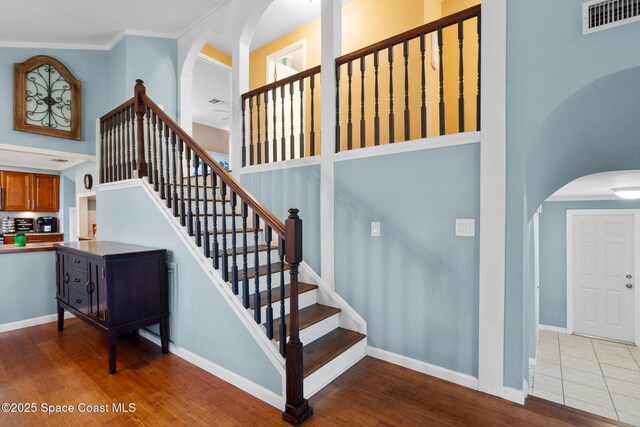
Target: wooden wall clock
pixel 47 98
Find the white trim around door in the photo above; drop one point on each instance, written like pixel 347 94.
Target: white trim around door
pixel 636 260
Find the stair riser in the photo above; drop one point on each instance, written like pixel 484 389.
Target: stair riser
pixel 317 330
pixel 304 300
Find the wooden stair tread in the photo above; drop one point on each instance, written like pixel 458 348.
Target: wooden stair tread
pixel 326 348
pixel 275 295
pixel 250 250
pixel 262 271
pixel 308 316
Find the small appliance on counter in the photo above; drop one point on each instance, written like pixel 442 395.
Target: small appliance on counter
pixel 47 224
pixel 7 225
pixel 20 240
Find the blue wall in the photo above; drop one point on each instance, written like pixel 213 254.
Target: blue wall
pixel 90 67
pixel 27 292
pixel 204 320
pixel 153 60
pixel 565 119
pixel 417 284
pixel 292 188
pixel 553 255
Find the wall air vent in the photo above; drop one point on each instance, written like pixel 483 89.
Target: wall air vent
pixel 600 15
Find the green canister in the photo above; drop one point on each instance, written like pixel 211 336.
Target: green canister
pixel 20 240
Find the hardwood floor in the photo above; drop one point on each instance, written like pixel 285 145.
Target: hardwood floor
pixel 41 366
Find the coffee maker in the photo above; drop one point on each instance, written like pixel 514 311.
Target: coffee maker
pixel 46 224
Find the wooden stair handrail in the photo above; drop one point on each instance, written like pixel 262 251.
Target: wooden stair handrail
pixel 294 78
pixel 119 108
pixel 249 199
pixel 430 27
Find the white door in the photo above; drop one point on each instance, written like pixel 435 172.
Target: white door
pixel 603 292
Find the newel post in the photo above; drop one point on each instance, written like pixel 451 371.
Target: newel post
pixel 297 408
pixel 140 109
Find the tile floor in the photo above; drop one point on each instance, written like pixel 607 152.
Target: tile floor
pixel 596 376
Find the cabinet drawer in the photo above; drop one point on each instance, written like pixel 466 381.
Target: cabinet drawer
pixel 77 262
pixel 79 301
pixel 77 280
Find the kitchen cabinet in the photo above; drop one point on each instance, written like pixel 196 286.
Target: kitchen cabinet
pixel 22 191
pixel 116 288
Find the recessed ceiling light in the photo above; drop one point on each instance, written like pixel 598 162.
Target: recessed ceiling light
pixel 627 192
pixel 216 101
pixel 59 160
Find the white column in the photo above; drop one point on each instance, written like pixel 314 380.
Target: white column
pixel 331 40
pixel 492 198
pixel 239 85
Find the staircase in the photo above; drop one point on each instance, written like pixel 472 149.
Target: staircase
pixel 258 258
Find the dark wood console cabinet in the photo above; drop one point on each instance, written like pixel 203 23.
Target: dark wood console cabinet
pixel 114 287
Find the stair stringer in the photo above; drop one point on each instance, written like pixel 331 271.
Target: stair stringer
pixel 348 319
pixel 243 315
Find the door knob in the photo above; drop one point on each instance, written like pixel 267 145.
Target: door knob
pixel 629 285
pixel 629 276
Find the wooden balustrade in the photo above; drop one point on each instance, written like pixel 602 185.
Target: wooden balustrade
pixel 139 140
pixel 410 75
pixel 281 119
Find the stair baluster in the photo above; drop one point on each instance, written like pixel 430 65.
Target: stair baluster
pixel 133 141
pixel 234 250
pixel 269 311
pixel 423 81
pixel 189 211
pixel 283 325
pixel 301 117
pixel 258 142
pixel 363 123
pixel 244 140
pixel 274 143
pixel 376 117
pixel 407 115
pixel 251 147
pixel 198 228
pixel 127 144
pixel 461 77
pixel 168 165
pixel 256 256
pixel 441 80
pixel 183 217
pixel 174 161
pixel 216 249
pixel 207 237
pixel 151 176
pixel 119 146
pixel 225 255
pixel 292 143
pixel 160 150
pixel 245 269
pixel 283 140
pixel 349 106
pixel 155 153
pixel 391 115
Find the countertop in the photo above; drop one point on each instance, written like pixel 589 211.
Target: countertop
pixel 30 247
pixel 30 233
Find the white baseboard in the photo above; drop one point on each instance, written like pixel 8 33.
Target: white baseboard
pixel 552 328
pixel 424 367
pixel 20 324
pixel 513 394
pixel 224 374
pixel 532 361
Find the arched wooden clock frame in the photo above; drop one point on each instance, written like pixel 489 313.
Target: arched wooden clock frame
pixel 47 98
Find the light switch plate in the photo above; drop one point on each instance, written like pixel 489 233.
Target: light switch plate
pixel 465 227
pixel 375 229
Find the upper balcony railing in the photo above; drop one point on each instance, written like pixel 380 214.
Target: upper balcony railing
pixel 421 83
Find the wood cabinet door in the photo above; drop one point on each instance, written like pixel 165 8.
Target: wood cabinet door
pixel 97 291
pixel 45 190
pixel 15 190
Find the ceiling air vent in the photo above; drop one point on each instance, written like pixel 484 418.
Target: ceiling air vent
pixel 600 15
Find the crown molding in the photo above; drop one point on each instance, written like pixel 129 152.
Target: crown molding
pixel 39 45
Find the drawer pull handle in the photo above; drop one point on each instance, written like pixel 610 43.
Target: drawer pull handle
pixel 66 278
pixel 76 261
pixel 77 280
pixel 78 301
pixel 89 287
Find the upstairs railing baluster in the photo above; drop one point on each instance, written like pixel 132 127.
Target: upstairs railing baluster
pixel 259 143
pixel 266 127
pixel 312 130
pixel 302 146
pixel 391 116
pixel 127 144
pixel 102 151
pixel 423 81
pixel 119 146
pixel 376 117
pixel 479 64
pixel 283 140
pixel 244 139
pixel 274 143
pixel 363 126
pixel 251 147
pixel 407 115
pixel 292 143
pixel 461 77
pixel 441 78
pixel 338 108
pixel 349 106
pixel 133 140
